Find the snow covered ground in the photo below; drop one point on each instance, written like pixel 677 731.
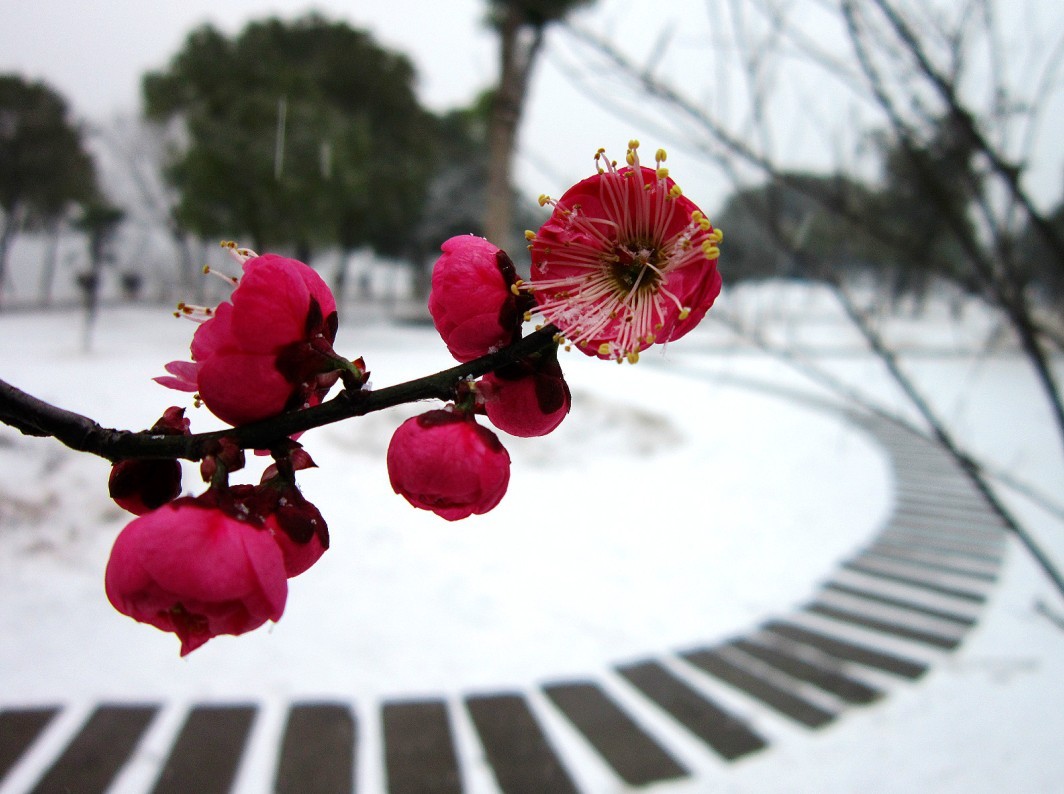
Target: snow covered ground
pixel 682 501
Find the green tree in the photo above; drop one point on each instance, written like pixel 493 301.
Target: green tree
pixel 44 167
pixel 300 134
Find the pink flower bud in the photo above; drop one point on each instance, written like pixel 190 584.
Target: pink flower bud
pixel 471 303
pixel 142 485
pixel 139 485
pixel 191 569
pixel 529 398
pixel 445 462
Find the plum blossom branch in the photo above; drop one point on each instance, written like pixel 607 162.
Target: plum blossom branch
pixel 35 417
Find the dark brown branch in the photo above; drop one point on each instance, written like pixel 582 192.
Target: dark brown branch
pixel 35 417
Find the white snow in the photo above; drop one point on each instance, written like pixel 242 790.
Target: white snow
pixel 684 500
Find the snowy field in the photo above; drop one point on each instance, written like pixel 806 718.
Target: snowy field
pixel 682 501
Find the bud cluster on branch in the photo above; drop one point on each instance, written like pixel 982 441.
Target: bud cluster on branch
pixel 624 262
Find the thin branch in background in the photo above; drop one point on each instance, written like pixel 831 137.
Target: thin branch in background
pixel 967 462
pixel 806 366
pixel 947 90
pixel 1004 282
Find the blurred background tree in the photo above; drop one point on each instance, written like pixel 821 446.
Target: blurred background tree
pixel 300 135
pixel 44 167
pixel 99 220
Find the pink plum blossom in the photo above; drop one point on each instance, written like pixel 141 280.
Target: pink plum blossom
pixel 528 398
pixel 471 302
pixel 266 350
pixel 192 569
pixel 625 260
pixel 444 461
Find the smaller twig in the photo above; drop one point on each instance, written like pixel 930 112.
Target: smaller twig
pixel 1056 618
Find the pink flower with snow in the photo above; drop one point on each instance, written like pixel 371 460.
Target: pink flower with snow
pixel 192 569
pixel 266 350
pixel 625 260
pixel 528 398
pixel 471 302
pixel 444 461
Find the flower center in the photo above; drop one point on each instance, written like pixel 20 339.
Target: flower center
pixel 636 266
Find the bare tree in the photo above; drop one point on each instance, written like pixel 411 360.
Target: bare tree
pixel 955 128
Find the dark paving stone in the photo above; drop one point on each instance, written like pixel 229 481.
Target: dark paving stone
pixel 901 603
pixel 847 651
pixel 728 735
pixel 922 563
pixel 207 752
pixel 519 753
pixel 317 754
pixel 958 563
pixel 19 728
pixel 626 747
pixel 823 677
pixel 419 754
pixel 916 539
pixel 885 626
pixel 915 580
pixel 771 694
pixel 99 750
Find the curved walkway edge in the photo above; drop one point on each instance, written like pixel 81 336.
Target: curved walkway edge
pixel 883 618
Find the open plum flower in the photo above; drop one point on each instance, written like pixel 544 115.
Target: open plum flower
pixel 266 350
pixel 625 260
pixel 444 461
pixel 192 569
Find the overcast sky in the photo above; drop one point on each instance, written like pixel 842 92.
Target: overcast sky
pixel 95 51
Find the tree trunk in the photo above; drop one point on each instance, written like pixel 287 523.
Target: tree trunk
pixel 517 57
pixel 51 254
pixel 11 224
